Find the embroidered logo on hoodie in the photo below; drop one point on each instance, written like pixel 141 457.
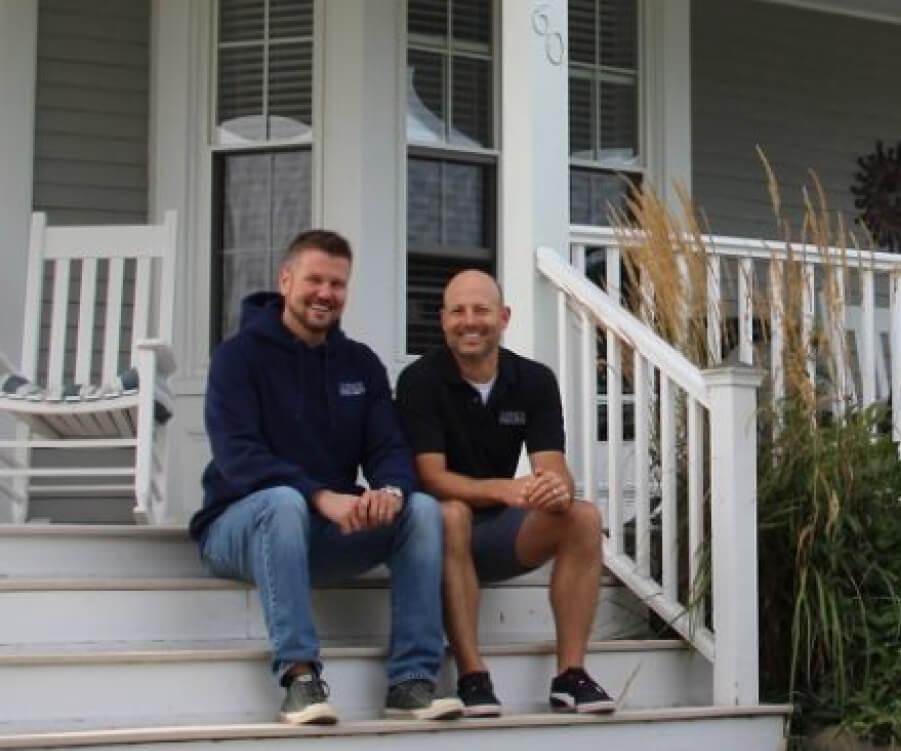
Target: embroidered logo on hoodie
pixel 351 388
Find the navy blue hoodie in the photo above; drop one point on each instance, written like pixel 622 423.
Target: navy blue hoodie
pixel 279 412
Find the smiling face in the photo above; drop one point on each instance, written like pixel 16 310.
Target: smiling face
pixel 473 317
pixel 314 285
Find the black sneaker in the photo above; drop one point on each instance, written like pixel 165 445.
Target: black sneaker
pixel 574 691
pixel 415 699
pixel 477 694
pixel 305 702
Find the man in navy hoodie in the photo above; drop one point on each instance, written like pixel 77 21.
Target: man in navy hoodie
pixel 293 410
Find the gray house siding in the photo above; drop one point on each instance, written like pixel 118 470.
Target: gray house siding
pixel 92 111
pixel 815 90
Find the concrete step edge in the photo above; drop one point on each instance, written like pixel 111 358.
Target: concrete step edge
pixel 370 727
pixel 120 653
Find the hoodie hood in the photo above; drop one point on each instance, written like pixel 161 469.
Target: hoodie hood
pixel 261 314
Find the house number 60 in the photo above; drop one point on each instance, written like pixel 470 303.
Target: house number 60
pixel 553 40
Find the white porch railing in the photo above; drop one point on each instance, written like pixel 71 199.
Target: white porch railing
pixel 717 409
pixel 867 366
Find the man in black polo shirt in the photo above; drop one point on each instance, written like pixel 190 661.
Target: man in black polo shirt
pixel 468 408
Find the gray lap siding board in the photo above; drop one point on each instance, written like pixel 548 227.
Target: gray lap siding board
pixel 814 89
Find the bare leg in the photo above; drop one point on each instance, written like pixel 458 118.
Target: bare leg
pixel 573 539
pixel 461 587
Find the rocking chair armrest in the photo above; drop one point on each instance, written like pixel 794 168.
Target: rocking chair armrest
pixel 165 359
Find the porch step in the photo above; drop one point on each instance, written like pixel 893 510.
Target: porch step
pixel 134 685
pixel 123 609
pixel 677 729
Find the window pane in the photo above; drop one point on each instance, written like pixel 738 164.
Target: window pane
pixel 240 92
pixel 619 121
pixel 619 33
pixel 472 21
pixel 290 89
pixel 593 192
pixel 240 20
pixel 580 125
pixel 471 102
pixel 425 97
pixel 427 17
pixel 264 200
pixel 450 209
pixel 581 25
pixel 290 18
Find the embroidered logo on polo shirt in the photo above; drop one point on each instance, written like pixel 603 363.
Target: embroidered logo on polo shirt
pixel 351 388
pixel 511 417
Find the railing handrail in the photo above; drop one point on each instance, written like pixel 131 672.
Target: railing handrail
pixel 625 325
pixel 744 247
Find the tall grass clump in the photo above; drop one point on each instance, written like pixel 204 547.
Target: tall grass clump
pixel 829 478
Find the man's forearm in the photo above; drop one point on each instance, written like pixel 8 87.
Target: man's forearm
pixel 478 493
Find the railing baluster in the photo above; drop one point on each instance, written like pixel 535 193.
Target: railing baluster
pixel 563 357
pixel 808 317
pixel 614 442
pixel 867 347
pixel 835 315
pixel 777 331
pixel 642 465
pixel 669 524
pixel 714 308
pixel 895 352
pixel 589 381
pixel 696 458
pixel 746 311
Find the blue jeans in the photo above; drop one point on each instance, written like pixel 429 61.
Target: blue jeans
pixel 275 540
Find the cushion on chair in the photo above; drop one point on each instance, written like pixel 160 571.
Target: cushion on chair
pixel 15 386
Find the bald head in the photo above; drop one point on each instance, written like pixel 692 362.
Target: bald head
pixel 473 319
pixel 474 281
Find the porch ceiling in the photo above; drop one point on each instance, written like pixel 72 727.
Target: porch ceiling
pixel 888 11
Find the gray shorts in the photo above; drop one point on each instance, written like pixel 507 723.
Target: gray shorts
pixel 494 533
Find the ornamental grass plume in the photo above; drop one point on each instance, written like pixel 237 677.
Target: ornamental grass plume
pixel 829 478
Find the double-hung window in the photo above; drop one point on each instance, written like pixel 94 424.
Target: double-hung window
pixel 262 140
pixel 451 154
pixel 604 106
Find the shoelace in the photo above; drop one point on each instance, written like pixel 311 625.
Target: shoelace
pixel 317 687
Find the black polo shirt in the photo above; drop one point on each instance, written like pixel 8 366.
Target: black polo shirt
pixel 442 413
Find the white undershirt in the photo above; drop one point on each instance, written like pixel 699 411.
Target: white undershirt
pixel 484 389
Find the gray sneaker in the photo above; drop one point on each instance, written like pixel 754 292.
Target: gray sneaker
pixel 305 702
pixel 415 699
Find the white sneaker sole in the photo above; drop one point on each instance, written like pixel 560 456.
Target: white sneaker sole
pixel 439 709
pixel 567 704
pixel 315 714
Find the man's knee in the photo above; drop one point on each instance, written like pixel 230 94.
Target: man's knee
pixel 457 520
pixel 423 512
pixel 285 509
pixel 585 522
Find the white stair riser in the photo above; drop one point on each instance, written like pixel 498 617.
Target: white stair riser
pixel 58 555
pixel 66 695
pixel 764 733
pixel 506 614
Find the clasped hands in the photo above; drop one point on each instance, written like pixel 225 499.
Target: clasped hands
pixel 544 489
pixel 355 513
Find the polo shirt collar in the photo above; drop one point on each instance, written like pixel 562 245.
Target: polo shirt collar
pixel 506 367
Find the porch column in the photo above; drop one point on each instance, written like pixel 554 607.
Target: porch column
pixel 733 491
pixel 534 169
pixel 361 157
pixel 18 65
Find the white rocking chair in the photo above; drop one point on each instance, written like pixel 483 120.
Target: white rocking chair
pixel 51 396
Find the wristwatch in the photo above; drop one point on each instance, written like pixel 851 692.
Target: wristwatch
pixel 394 490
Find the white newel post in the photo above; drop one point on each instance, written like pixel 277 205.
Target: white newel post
pixel 733 441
